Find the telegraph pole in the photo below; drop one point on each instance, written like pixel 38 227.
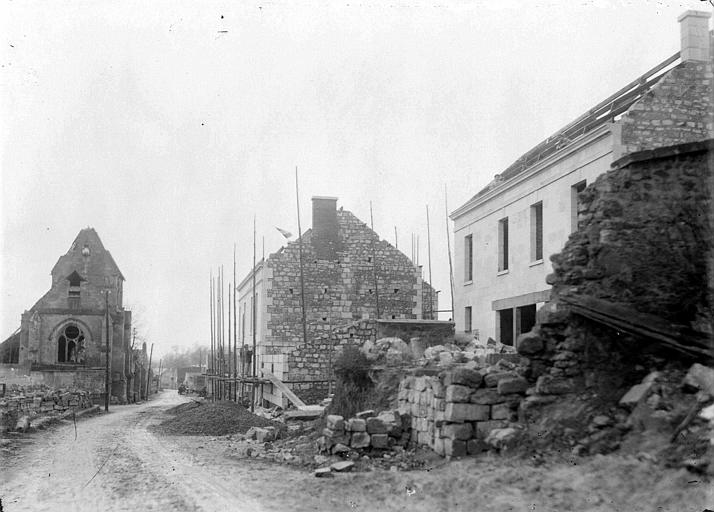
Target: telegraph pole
pixel 148 373
pixel 107 384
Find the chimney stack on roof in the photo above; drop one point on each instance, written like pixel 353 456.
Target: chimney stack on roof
pixel 694 30
pixel 325 237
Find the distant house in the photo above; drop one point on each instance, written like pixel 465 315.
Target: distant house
pixel 506 232
pixel 62 338
pixel 341 258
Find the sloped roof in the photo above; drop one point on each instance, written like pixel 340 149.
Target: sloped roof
pixel 604 112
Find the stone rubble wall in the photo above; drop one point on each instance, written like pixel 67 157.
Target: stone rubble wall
pixel 32 401
pixel 644 242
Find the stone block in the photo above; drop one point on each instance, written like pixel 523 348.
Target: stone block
pixel 455 448
pixel 637 394
pixel 483 428
pixel 501 437
pixel 700 377
pixel 335 422
pixel 464 376
pixel 340 448
pixel 379 441
pixel 336 437
pixel 487 396
pixel 466 412
pixel 360 440
pixel 502 412
pixel 512 385
pixel 324 473
pixel 529 344
pixel 342 466
pixel 437 388
pixel 420 383
pixel 439 447
pixel 265 435
pixel 491 379
pixel 357 425
pixel 462 431
pixel 424 438
pixel 376 426
pixel 549 385
pixel 365 414
pixel 475 446
pixel 458 393
pixel 438 404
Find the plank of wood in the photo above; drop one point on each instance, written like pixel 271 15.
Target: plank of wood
pixel 286 390
pixel 629 320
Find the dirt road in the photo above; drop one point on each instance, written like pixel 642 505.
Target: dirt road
pixel 115 463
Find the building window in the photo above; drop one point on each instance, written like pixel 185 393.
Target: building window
pixel 511 322
pixel 503 244
pixel 575 203
pixel 467 319
pixel 70 345
pixel 74 292
pixel 537 231
pixel 469 258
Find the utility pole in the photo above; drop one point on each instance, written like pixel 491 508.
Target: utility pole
pixel 158 384
pixel 148 373
pixel 107 383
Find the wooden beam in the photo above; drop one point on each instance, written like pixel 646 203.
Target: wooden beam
pixel 286 391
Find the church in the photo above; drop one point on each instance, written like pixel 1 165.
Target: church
pixel 62 339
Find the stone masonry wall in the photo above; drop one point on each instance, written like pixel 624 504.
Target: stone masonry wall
pixel 678 109
pixel 337 292
pixel 454 412
pixel 644 242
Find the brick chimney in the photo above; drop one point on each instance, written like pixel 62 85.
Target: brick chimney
pixel 325 237
pixel 694 30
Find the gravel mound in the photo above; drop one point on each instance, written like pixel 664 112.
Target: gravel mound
pixel 211 419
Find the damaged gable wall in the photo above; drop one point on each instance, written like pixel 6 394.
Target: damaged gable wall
pixel 644 243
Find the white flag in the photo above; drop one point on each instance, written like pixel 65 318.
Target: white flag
pixel 286 234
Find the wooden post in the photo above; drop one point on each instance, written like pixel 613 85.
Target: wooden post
pixel 235 330
pixel 229 340
pixel 431 285
pixel 255 315
pixel 107 370
pixel 158 383
pixel 448 248
pixel 374 262
pixel 148 373
pixel 210 373
pixel 302 271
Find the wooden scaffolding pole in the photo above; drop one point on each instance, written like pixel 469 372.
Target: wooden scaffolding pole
pixel 235 329
pixel 302 270
pixel 431 283
pixel 255 344
pixel 448 249
pixel 374 261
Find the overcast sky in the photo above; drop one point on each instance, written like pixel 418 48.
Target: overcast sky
pixel 167 125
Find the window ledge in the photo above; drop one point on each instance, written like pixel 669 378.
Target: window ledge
pixel 470 281
pixel 536 262
pixel 502 272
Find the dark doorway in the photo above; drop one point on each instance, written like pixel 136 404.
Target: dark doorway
pixel 505 321
pixel 527 318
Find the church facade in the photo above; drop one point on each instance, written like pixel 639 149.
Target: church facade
pixel 62 340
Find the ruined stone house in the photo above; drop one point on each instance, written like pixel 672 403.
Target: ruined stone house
pixel 505 233
pixel 62 337
pixel 340 254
